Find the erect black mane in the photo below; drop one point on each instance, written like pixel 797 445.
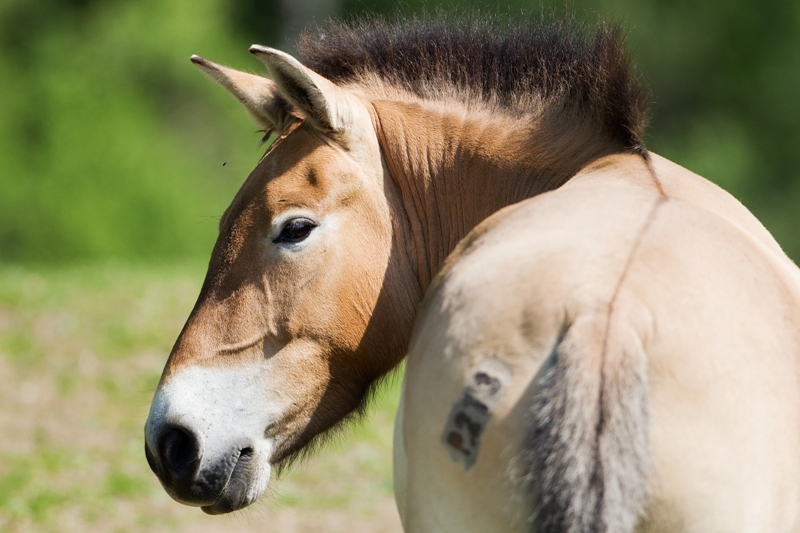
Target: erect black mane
pixel 514 65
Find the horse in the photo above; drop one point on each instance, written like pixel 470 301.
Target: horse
pixel 597 339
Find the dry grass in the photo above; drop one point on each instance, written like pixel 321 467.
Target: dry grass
pixel 81 351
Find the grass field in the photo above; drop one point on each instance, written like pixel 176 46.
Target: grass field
pixel 81 351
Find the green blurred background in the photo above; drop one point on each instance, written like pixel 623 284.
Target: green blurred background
pixel 112 145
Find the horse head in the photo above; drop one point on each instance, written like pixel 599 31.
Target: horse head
pixel 298 314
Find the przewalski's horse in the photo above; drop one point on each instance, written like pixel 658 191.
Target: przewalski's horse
pixel 616 351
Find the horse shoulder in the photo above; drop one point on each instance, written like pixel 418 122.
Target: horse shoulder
pixel 495 315
pixel 694 296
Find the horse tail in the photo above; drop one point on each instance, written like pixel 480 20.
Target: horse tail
pixel 588 455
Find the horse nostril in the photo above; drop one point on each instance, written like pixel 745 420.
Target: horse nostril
pixel 179 451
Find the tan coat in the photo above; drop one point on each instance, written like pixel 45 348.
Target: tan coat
pixel 680 301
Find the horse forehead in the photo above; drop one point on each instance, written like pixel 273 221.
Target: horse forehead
pixel 302 170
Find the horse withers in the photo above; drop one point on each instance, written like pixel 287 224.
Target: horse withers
pixel 597 339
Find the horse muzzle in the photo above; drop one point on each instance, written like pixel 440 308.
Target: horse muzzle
pixel 219 484
pixel 206 444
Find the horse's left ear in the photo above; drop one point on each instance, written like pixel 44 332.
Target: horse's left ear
pixel 329 108
pixel 258 95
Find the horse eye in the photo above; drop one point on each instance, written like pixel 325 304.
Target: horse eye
pixel 295 230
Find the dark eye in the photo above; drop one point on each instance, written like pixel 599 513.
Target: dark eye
pixel 295 230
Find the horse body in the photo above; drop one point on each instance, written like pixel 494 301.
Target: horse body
pixel 641 297
pixel 614 348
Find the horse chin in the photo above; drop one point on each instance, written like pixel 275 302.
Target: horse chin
pixel 247 482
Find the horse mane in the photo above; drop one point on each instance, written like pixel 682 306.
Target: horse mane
pixel 522 67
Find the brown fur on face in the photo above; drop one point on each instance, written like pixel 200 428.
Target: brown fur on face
pixel 317 312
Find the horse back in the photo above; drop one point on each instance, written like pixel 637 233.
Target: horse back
pixel 633 342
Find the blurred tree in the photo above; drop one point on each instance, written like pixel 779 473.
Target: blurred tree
pixel 257 21
pixel 112 143
pixel 279 22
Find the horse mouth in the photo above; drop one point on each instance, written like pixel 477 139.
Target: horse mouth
pixel 237 492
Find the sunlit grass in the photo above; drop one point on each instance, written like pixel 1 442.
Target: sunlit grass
pixel 81 351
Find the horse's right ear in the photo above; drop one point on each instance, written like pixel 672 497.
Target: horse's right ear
pixel 326 106
pixel 258 95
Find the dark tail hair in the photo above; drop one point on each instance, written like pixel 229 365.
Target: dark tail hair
pixel 588 455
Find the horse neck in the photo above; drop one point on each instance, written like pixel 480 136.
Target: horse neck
pixel 453 167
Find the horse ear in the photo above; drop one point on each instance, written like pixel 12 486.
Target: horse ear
pixel 318 99
pixel 256 94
